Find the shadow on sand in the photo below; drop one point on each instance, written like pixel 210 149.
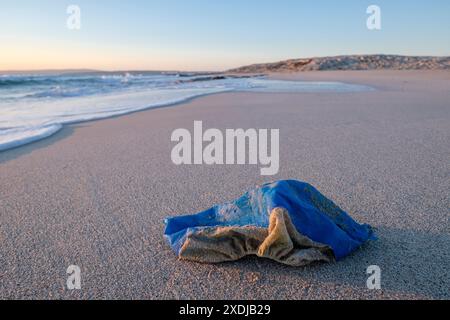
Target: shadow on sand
pixel 19 151
pixel 412 263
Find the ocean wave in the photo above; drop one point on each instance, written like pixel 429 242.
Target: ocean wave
pixel 12 138
pixel 19 82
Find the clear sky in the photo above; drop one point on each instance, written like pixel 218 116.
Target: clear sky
pixel 211 34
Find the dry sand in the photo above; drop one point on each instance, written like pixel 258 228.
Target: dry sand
pixel 96 194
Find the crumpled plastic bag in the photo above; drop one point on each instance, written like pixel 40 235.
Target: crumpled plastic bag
pixel 287 221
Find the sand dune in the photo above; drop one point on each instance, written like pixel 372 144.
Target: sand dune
pixel 351 62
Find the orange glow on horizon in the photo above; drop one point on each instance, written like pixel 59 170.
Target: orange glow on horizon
pixel 39 56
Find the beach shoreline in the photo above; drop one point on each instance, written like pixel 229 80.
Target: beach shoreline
pixel 95 194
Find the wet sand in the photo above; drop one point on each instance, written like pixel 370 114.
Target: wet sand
pixel 95 195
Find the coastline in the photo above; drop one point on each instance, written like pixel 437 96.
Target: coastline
pixel 47 116
pixel 96 194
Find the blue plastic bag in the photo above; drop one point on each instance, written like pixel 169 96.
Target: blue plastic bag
pixel 312 214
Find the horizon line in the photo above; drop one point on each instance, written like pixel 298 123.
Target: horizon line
pixel 79 70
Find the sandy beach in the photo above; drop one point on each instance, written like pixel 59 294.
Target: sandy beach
pixel 96 194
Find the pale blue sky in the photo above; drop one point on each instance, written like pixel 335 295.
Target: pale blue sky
pixel 212 34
